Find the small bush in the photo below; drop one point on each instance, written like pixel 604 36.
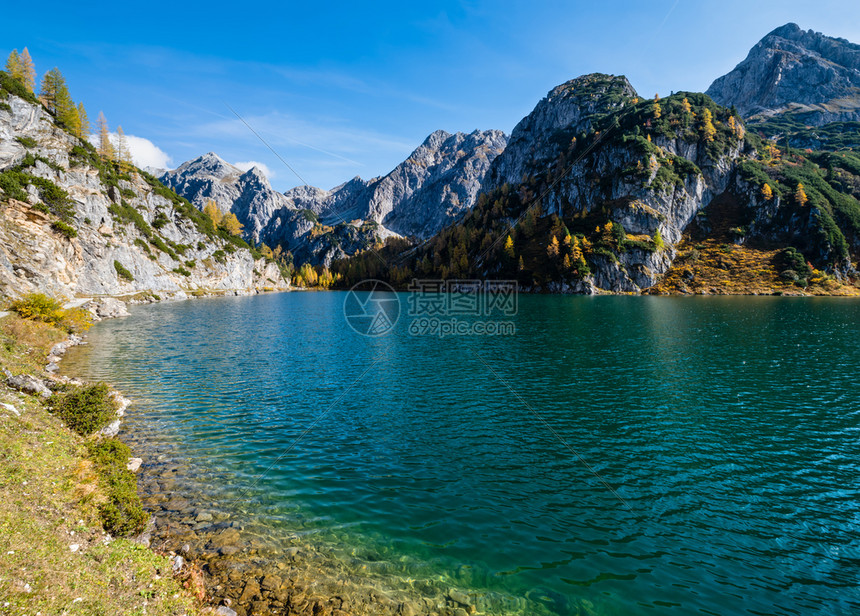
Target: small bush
pixel 160 220
pixel 181 271
pixel 39 307
pixel 85 409
pixel 27 142
pixel 128 193
pixel 122 515
pixel 6 107
pixel 122 272
pixel 68 230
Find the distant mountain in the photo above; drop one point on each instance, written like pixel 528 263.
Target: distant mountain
pixel 429 190
pixel 247 194
pixel 432 188
pixel 807 74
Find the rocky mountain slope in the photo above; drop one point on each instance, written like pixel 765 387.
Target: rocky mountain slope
pixel 805 73
pixel 432 188
pixel 247 194
pixel 429 190
pixel 73 225
pixel 599 190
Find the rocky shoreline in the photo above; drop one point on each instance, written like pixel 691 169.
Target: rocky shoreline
pixel 248 567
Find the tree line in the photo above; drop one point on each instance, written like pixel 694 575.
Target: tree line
pixel 55 97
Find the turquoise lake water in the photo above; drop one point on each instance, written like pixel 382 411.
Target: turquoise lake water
pixel 728 430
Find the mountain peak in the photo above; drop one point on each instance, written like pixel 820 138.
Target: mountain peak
pixel 790 30
pixel 798 71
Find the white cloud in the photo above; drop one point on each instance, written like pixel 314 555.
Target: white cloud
pixel 144 153
pixel 246 165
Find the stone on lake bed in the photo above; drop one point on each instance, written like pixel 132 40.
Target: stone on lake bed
pixel 225 611
pixel 271 582
pixel 203 517
pixel 134 464
pixel 458 597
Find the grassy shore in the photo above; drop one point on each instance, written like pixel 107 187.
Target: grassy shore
pixel 55 556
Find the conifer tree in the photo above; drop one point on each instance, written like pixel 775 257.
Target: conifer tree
pixel 123 153
pixel 214 214
pixel 509 247
pixel 28 70
pixel 83 122
pixel 232 226
pixel 767 192
pixel 13 65
pixel 552 249
pixel 708 130
pixel 657 111
pixel 800 195
pixel 685 105
pixel 55 96
pixel 105 148
pixel 659 244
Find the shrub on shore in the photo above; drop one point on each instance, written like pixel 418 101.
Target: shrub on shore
pixel 40 307
pixel 122 515
pixel 85 409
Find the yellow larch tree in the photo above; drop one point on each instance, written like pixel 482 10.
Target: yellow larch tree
pixel 212 211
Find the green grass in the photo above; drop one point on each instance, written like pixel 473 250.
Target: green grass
pixel 51 493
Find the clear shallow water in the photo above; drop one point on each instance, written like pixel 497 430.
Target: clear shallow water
pixel 729 426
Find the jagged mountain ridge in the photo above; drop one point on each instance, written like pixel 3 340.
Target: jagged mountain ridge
pixel 598 191
pixel 247 194
pixel 795 71
pixel 124 237
pixel 432 188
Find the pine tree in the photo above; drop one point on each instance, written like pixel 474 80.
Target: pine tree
pixel 105 148
pixel 214 214
pixel 657 111
pixel 767 192
pixel 28 70
pixel 708 130
pixel 83 122
pixel 658 239
pixel 800 195
pixel 232 226
pixel 521 266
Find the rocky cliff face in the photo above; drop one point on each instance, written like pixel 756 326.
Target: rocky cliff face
pixel 797 71
pixel 429 190
pixel 117 233
pixel 566 112
pixel 593 147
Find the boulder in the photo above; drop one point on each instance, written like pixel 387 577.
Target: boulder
pixel 29 385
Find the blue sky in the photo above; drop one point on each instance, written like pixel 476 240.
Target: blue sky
pixel 346 89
